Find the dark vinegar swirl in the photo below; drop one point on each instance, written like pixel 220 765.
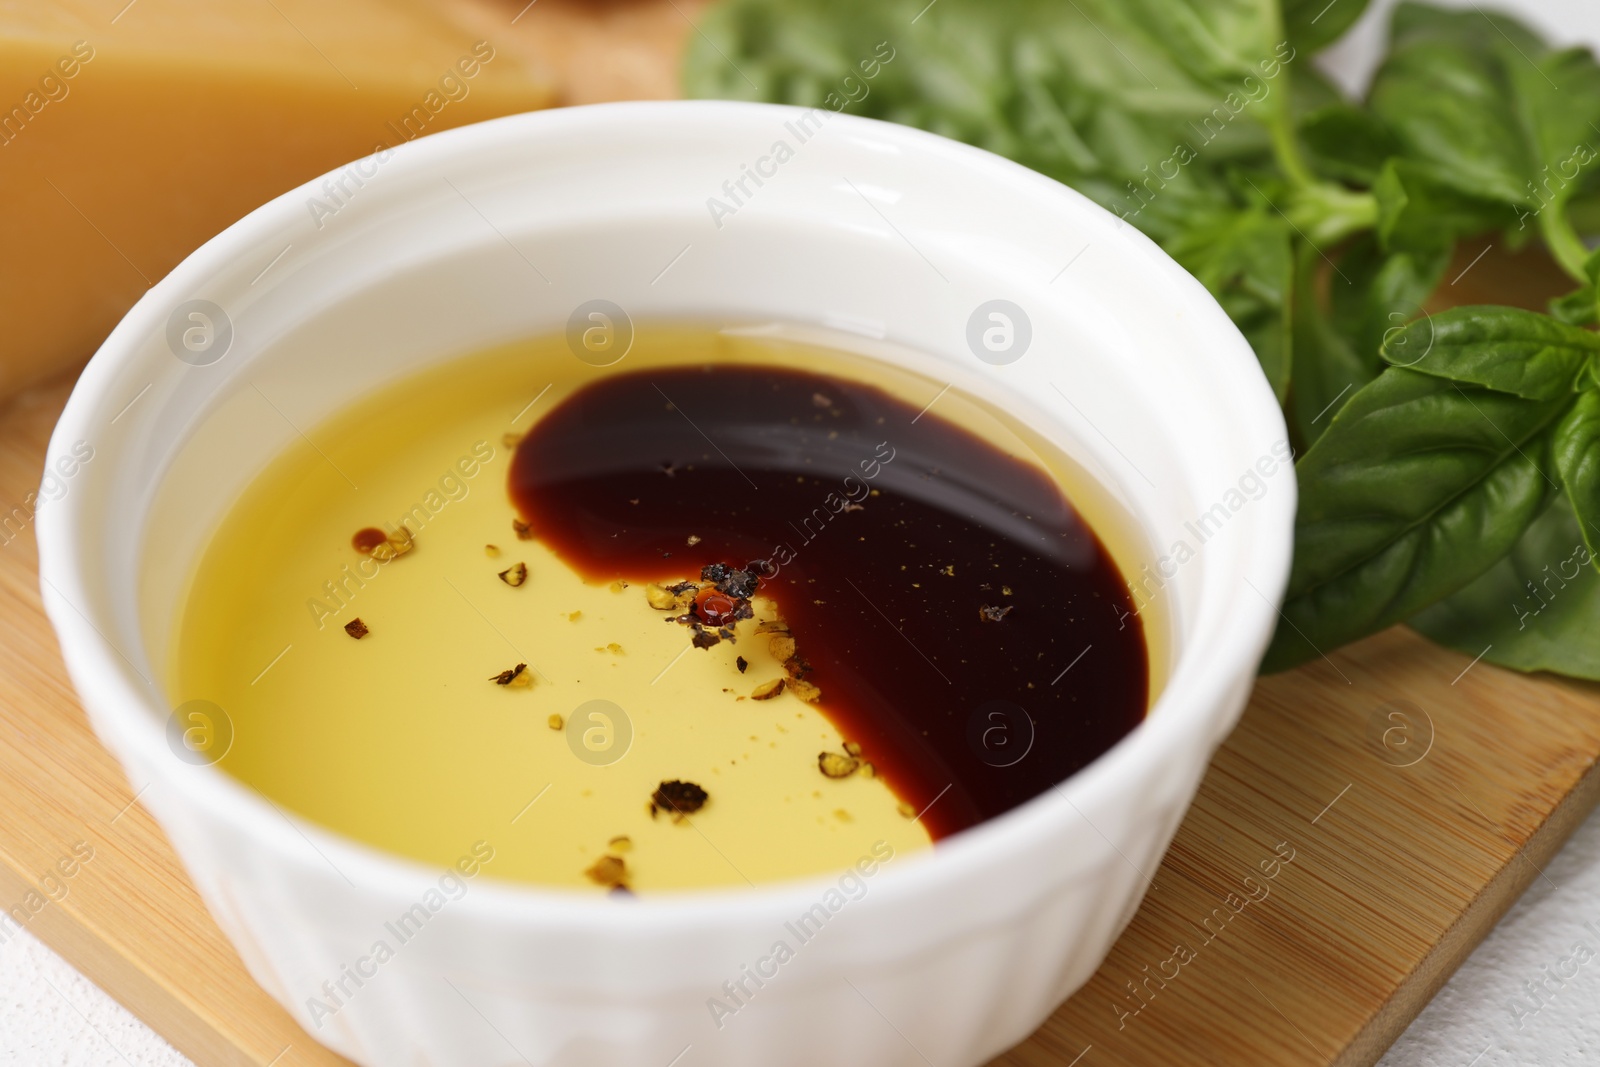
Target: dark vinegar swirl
pixel 964 624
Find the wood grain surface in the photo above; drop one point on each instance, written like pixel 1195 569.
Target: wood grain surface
pixel 1386 804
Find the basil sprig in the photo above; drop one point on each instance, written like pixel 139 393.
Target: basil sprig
pixel 1432 473
pixel 1538 609
pixel 1442 455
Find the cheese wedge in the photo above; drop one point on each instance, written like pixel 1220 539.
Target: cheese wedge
pixel 599 52
pixel 131 132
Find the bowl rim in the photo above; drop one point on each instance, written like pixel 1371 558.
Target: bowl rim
pixel 1191 711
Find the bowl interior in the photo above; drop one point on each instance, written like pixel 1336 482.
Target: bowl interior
pixel 887 239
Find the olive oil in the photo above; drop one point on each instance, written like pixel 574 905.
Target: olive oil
pixel 429 626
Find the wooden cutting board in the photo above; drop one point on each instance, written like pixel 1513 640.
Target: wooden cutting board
pixel 1399 796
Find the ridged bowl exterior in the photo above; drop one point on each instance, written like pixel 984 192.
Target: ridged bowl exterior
pixel 947 957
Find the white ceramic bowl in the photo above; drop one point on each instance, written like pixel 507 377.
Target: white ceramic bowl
pixel 499 231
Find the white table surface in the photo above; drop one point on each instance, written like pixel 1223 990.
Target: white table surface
pixel 51 1016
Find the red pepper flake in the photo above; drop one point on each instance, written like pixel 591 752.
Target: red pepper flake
pixel 383 546
pixel 356 629
pixel 715 607
pixel 368 538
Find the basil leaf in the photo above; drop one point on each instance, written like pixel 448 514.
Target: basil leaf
pixel 1328 368
pixel 1417 487
pixel 1583 210
pixel 1505 349
pixel 1218 41
pixel 1399 450
pixel 1268 333
pixel 1372 297
pixel 1310 89
pixel 1581 308
pixel 1560 95
pixel 1445 92
pixel 1578 308
pixel 1484 100
pixel 1244 259
pixel 1536 610
pixel 1488 29
pixel 1423 210
pixel 1149 107
pixel 1375 294
pixel 1348 142
pixel 1419 568
pixel 1576 448
pixel 1096 93
pixel 1312 25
